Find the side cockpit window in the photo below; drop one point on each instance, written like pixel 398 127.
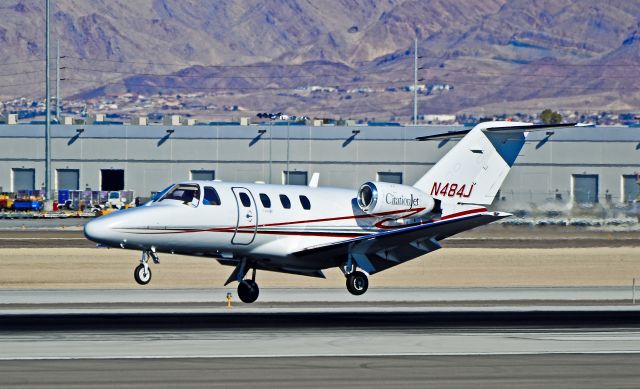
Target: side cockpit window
pixel 210 196
pixel 185 193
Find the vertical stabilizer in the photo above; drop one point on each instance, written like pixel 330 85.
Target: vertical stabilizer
pixel 475 168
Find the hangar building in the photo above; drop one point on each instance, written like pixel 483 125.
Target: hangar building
pixel 583 165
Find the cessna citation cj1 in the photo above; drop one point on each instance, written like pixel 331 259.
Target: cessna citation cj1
pixel 304 230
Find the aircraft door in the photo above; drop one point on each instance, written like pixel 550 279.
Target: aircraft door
pixel 247 222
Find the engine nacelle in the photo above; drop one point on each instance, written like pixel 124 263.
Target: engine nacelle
pixel 379 197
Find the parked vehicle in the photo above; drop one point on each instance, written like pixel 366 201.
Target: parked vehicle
pixel 6 201
pixel 27 205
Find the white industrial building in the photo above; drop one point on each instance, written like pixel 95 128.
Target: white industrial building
pixel 581 165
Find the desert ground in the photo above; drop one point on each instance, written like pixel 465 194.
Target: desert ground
pixel 45 268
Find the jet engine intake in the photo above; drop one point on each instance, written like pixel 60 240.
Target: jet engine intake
pixel 380 197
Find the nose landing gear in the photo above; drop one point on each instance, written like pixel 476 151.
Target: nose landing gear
pixel 142 272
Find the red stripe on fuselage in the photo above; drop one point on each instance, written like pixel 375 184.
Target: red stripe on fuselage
pixel 233 229
pixel 250 229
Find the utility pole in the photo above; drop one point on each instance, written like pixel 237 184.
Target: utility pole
pixel 288 142
pixel 270 150
pixel 47 125
pixel 415 82
pixel 58 82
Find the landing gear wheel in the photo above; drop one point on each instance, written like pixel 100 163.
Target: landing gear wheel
pixel 248 291
pixel 142 274
pixel 357 283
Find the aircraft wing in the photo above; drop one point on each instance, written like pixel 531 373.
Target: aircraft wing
pixel 376 252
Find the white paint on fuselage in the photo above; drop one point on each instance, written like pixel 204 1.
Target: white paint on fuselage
pixel 172 226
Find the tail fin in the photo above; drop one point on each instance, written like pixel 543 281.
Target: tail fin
pixel 475 168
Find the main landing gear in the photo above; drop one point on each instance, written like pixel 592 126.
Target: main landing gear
pixel 357 281
pixel 248 290
pixel 142 273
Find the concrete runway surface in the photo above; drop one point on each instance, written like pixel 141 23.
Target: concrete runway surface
pixel 486 371
pixel 323 349
pixel 102 345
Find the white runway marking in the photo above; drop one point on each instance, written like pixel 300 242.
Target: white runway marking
pixel 247 356
pixel 310 343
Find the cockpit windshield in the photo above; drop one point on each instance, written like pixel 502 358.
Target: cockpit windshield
pixel 186 193
pixel 160 194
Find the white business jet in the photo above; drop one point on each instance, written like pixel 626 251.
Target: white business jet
pixel 304 230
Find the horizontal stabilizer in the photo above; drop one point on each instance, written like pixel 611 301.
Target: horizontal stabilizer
pixel 530 127
pixel 502 127
pixel 445 135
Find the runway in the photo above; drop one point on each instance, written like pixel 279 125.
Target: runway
pixel 372 348
pixel 521 371
pixel 312 338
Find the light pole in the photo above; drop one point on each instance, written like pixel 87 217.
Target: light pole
pixel 47 124
pixel 415 82
pixel 58 82
pixel 270 153
pixel 287 179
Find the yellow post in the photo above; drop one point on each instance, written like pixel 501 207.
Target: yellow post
pixel 229 300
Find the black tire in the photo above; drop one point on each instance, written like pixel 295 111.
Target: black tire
pixel 248 291
pixel 141 276
pixel 357 283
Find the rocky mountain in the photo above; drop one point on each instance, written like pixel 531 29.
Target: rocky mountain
pixel 499 55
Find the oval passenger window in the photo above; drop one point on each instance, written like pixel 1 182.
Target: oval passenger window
pixel 286 203
pixel 244 198
pixel 266 201
pixel 306 204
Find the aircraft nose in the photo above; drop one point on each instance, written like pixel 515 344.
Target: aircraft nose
pixel 97 230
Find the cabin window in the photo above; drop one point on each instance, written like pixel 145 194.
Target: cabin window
pixel 286 203
pixel 210 196
pixel 306 204
pixel 266 201
pixel 245 200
